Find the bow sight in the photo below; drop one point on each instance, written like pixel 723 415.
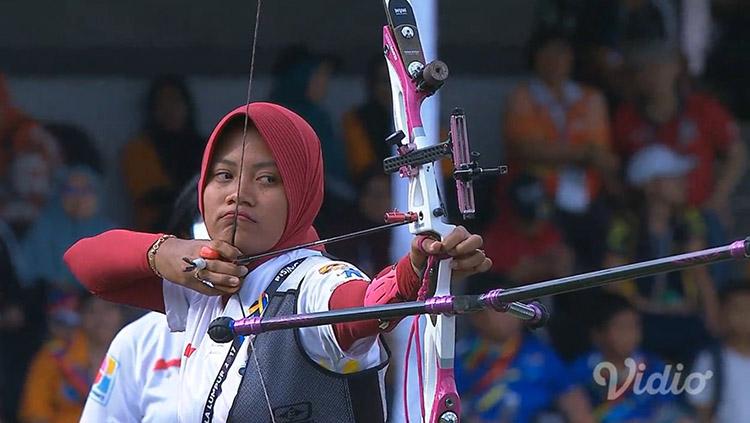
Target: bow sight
pixel 465 162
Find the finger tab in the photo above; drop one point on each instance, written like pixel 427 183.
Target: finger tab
pixel 209 253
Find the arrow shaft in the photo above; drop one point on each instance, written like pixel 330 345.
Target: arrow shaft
pixel 500 299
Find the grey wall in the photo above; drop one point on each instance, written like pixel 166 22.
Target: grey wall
pixel 142 37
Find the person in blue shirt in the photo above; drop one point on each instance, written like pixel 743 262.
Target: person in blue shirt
pixel 615 373
pixel 505 374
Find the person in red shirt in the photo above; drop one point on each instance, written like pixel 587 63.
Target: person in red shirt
pixel 523 243
pixel 690 123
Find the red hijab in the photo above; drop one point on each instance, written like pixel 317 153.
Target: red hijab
pixel 296 149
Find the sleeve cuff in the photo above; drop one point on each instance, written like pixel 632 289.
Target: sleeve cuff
pixel 407 279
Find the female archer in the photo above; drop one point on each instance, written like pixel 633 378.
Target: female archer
pixel 260 189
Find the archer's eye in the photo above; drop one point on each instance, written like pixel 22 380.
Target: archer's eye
pixel 223 176
pixel 268 179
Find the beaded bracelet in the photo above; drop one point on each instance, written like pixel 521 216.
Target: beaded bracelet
pixel 151 255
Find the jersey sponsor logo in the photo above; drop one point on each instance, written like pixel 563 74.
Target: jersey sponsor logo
pixel 351 272
pixel 344 270
pixel 331 267
pixel 287 270
pixel 104 380
pixel 300 412
pixel 162 364
pixel 189 350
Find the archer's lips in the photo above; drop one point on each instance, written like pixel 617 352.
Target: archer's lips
pixel 240 216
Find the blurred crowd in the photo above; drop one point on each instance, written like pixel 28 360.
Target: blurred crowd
pixel 623 145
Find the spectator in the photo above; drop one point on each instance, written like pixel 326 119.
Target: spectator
pixel 371 253
pixel 20 317
pixel 616 23
pixel 729 61
pixel 605 29
pixel 691 123
pixel 29 158
pixel 165 155
pixel 616 336
pixel 73 214
pixel 559 130
pixel 185 212
pixel 723 400
pixel 523 243
pixel 526 247
pixel 507 375
pixel 60 374
pixel 561 14
pixel 76 146
pixel 679 309
pixel 366 127
pixel 300 83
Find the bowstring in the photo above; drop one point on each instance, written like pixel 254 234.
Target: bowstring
pixel 251 340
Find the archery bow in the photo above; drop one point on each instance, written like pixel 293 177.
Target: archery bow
pixel 412 81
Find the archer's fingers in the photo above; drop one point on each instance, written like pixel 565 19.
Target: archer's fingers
pixel 457 235
pixel 468 262
pixel 468 246
pixel 485 266
pixel 427 246
pixel 203 288
pixel 481 268
pixel 226 284
pixel 226 268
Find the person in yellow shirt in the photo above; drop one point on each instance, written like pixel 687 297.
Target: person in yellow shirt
pixel 62 372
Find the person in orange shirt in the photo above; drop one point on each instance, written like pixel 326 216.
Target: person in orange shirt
pixel 62 372
pixel 164 155
pixel 558 130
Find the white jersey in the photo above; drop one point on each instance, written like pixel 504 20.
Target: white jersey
pixel 139 376
pixel 192 312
